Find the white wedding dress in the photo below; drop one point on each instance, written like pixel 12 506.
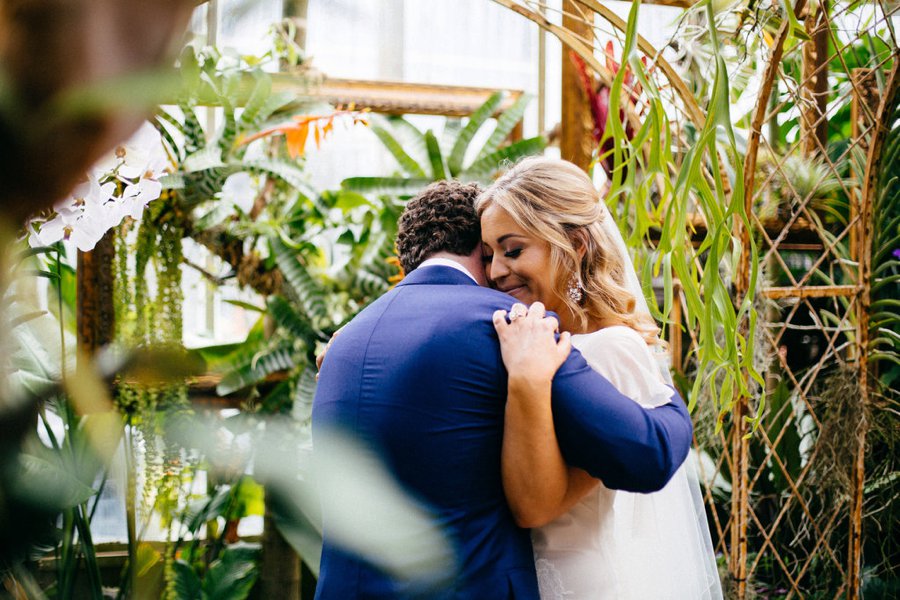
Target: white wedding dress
pixel 622 545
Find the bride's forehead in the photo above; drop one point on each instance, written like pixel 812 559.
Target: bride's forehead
pixel 496 218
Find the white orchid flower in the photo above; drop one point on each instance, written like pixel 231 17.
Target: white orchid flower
pixel 141 157
pixel 240 190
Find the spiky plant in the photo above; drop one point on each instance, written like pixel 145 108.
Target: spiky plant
pixel 423 158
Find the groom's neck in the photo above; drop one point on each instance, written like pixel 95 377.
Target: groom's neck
pixel 472 263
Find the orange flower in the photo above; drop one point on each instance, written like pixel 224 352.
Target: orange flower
pixel 296 133
pixel 395 279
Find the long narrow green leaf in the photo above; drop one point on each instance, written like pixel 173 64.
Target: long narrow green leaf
pixel 434 156
pixel 409 166
pixel 385 186
pixel 505 124
pixel 409 136
pixel 484 169
pixel 482 114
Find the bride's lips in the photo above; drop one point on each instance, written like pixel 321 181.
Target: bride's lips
pixel 514 291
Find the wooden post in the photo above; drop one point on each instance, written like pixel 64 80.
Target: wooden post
pixel 865 93
pixel 576 125
pixel 864 249
pixel 95 311
pixel 279 570
pixel 815 90
pixel 296 10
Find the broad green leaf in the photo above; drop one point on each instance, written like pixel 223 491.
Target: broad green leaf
pixel 50 484
pixel 232 575
pixel 248 499
pixel 187 585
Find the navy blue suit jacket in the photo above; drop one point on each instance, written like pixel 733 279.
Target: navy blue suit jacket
pixel 418 377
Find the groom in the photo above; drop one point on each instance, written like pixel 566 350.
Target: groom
pixel 418 378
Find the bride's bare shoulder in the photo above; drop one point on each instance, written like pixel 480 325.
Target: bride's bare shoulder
pixel 615 336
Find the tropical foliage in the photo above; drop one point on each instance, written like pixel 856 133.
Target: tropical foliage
pixel 423 157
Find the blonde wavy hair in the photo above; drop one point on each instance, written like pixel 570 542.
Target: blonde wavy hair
pixel 554 200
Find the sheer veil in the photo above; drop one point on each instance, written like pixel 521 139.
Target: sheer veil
pixel 665 535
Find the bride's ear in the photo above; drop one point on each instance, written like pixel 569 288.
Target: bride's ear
pixel 580 242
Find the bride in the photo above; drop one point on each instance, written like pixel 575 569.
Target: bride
pixel 550 242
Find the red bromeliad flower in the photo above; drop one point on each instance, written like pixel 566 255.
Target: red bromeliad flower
pixel 598 99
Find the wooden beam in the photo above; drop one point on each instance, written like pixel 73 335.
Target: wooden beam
pixel 875 145
pixel 811 291
pixel 401 98
pixel 576 125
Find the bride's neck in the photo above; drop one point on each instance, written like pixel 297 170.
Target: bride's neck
pixel 569 322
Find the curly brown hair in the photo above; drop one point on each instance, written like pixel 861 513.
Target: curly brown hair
pixel 441 218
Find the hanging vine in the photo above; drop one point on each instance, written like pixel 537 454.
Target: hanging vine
pixel 149 301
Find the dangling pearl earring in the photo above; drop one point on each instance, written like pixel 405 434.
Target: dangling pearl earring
pixel 574 289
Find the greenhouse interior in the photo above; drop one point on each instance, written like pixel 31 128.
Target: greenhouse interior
pixel 229 370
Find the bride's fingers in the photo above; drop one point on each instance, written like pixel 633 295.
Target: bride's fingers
pixel 500 323
pixel 537 310
pixel 564 346
pixel 550 323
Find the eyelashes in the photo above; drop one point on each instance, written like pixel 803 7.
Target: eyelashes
pixel 487 258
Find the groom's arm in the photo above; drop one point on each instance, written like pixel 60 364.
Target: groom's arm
pixel 613 438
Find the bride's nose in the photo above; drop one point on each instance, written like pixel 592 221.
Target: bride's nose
pixel 497 269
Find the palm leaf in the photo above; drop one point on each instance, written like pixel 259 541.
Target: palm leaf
pixel 262 89
pixel 484 168
pixel 288 318
pixel 409 136
pixel 370 284
pixel 452 127
pixel 257 368
pixel 385 186
pixel 434 156
pixel 505 124
pixel 194 136
pixel 287 171
pixel 482 114
pixel 410 166
pixel 307 291
pixel 304 394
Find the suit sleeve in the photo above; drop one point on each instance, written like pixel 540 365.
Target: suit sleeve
pixel 626 446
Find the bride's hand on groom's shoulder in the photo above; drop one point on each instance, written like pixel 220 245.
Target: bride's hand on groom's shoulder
pixel 528 343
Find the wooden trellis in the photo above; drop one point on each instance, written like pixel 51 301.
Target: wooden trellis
pixel 783 534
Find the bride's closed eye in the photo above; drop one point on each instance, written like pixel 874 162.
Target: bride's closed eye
pixel 513 253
